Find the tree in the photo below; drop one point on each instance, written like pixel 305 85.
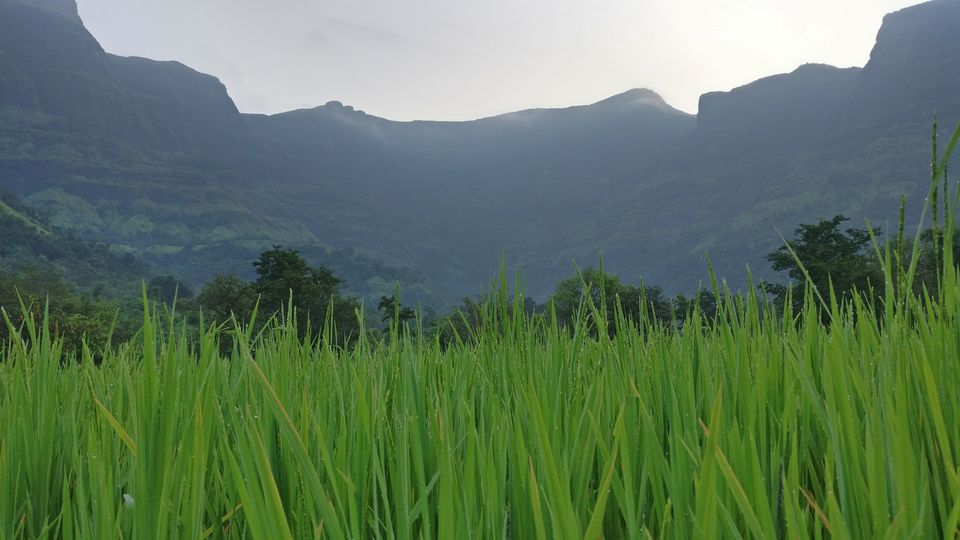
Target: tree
pixel 829 255
pixel 705 301
pixel 285 272
pixel 930 265
pixel 284 275
pixel 77 318
pixel 391 309
pixel 605 291
pixel 167 288
pixel 284 280
pixel 463 322
pixel 227 295
pixel 345 318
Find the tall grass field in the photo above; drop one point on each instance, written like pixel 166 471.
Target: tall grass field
pixel 744 425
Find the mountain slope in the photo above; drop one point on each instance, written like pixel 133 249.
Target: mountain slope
pixel 155 158
pixel 28 242
pixel 917 49
pixel 782 113
pixel 127 151
pixel 451 197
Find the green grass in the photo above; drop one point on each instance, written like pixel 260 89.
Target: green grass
pixel 754 427
pixel 751 426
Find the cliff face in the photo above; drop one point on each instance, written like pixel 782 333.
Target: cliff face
pixel 912 73
pixel 913 69
pixel 181 109
pixel 789 111
pixel 51 65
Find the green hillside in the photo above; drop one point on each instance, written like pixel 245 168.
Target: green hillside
pixel 31 245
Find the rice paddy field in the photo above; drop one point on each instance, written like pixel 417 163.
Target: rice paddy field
pixel 746 425
pixel 754 426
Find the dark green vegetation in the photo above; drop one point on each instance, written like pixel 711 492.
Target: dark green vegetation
pixel 286 285
pixel 829 258
pixel 747 423
pixel 29 240
pixel 89 291
pixel 311 298
pixel 823 410
pixel 155 158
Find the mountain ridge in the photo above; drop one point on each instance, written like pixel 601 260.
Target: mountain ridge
pixel 66 8
pixel 155 158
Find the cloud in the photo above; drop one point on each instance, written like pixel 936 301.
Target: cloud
pixel 367 34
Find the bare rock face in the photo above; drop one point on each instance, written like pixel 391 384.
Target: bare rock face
pixel 180 108
pixel 787 111
pixel 913 68
pixel 51 64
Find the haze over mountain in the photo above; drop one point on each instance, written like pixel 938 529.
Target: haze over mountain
pixel 155 158
pixel 441 60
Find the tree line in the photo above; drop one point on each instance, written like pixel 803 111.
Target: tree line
pixel 289 287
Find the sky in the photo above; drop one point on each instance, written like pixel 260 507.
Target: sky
pixel 465 59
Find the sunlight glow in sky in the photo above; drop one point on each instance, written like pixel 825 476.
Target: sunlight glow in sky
pixel 462 59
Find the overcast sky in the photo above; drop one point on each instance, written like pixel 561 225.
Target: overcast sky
pixel 461 59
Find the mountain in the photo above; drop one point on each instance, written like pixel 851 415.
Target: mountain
pixel 913 69
pixel 782 113
pixel 55 72
pixel 64 8
pixel 451 197
pixel 123 150
pixel 154 158
pixel 29 243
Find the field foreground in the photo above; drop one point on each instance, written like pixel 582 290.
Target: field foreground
pixel 752 427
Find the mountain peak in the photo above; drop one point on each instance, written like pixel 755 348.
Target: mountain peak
pixel 815 68
pixel 635 96
pixel 916 44
pixel 337 106
pixel 928 26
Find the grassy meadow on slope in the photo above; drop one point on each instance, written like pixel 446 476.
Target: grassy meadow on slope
pixel 746 424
